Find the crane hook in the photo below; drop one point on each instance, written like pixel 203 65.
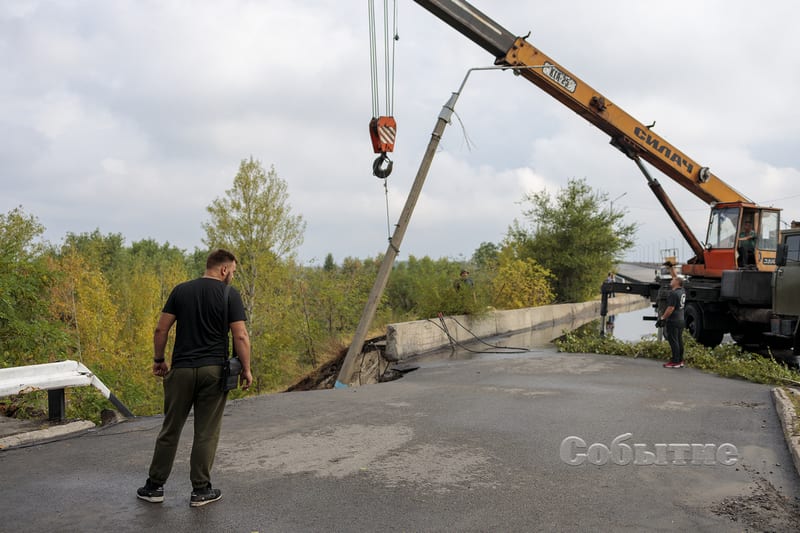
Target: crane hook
pixel 382 166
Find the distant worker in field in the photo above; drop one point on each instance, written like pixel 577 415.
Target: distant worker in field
pixel 747 245
pixel 463 280
pixel 672 319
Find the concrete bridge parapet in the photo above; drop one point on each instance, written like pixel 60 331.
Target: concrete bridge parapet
pixel 408 339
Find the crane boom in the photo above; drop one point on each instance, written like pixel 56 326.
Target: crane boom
pixel 628 134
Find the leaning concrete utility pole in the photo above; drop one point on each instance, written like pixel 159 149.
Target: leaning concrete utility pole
pixel 348 366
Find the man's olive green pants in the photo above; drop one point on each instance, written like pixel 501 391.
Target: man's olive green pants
pixel 184 388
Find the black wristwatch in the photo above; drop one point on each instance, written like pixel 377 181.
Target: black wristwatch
pixel 159 360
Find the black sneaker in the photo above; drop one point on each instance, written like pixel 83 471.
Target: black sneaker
pixel 151 492
pixel 203 496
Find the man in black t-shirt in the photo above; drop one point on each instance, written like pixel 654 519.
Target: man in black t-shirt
pixel 194 381
pixel 673 319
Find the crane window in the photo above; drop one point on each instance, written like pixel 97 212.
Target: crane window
pixel 768 233
pixel 722 228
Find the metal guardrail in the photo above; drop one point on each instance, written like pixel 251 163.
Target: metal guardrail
pixel 54 378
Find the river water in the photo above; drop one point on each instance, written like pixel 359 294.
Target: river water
pixel 633 327
pixel 629 326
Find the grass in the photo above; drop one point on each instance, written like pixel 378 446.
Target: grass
pixel 727 360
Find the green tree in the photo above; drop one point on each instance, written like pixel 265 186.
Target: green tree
pixel 356 279
pixel 424 287
pixel 335 295
pixel 254 220
pixel 485 256
pixel 574 236
pixel 330 264
pixel 104 251
pixel 331 299
pixel 196 262
pixel 520 283
pixel 143 281
pixel 28 335
pixel 84 301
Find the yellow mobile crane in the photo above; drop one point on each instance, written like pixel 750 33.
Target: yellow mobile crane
pixel 728 283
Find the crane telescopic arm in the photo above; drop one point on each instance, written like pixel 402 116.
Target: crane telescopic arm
pixel 628 134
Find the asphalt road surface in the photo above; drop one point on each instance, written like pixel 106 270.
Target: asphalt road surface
pixel 457 445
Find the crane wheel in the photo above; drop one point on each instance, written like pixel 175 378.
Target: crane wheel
pixel 695 325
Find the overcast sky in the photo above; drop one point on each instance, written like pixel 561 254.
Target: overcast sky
pixel 131 116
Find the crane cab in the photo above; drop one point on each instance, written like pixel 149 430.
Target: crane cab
pixel 741 236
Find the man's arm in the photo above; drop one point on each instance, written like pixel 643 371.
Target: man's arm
pixel 672 271
pixel 241 343
pixel 160 337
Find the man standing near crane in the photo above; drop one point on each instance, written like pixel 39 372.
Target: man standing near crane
pixel 672 318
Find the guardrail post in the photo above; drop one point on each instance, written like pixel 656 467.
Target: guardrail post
pixel 56 405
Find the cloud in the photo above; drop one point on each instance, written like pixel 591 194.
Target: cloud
pixel 133 116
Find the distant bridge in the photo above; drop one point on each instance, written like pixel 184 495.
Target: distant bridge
pixel 644 272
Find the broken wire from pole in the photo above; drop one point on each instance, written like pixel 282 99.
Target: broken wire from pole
pixel 495 349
